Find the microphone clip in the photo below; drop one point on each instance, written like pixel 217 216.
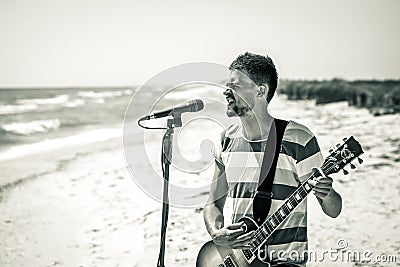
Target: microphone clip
pixel 176 119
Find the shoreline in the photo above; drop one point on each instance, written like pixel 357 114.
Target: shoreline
pixel 42 163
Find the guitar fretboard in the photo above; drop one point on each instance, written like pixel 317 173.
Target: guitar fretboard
pixel 273 221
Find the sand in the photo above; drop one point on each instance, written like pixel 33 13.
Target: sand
pixel 88 211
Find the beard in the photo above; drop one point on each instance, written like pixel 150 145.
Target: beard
pixel 235 107
pixel 236 111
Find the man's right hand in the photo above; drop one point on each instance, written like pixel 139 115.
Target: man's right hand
pixel 233 236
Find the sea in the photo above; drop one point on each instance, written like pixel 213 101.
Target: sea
pixel 37 120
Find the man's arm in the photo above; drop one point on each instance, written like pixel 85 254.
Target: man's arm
pixel 213 211
pixel 328 198
pixel 232 236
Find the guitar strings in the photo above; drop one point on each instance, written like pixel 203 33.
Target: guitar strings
pixel 259 232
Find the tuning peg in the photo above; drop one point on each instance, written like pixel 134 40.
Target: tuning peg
pixel 338 145
pixel 345 139
pixel 345 172
pixel 331 150
pixel 360 160
pixel 352 166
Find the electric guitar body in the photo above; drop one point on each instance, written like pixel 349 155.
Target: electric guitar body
pixel 212 255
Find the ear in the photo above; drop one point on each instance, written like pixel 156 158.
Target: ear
pixel 262 90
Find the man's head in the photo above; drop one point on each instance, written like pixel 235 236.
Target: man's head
pixel 252 82
pixel 260 69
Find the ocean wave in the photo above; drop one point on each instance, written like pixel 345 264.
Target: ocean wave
pixel 14 109
pixel 60 99
pixel 32 127
pixel 83 138
pixel 105 94
pixel 75 103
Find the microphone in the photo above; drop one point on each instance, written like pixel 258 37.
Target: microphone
pixel 190 106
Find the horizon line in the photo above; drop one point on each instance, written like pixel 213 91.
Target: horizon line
pixel 137 86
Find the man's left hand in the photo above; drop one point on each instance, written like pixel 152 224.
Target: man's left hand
pixel 322 186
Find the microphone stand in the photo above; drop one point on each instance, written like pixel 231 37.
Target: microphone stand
pixel 166 159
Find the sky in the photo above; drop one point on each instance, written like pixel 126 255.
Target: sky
pixel 46 43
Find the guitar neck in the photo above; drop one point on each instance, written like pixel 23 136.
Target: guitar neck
pixel 273 221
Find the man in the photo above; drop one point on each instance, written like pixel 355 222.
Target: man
pixel 251 85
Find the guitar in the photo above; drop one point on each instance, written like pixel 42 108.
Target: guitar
pixel 212 255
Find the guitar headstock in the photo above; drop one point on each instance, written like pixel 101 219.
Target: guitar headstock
pixel 341 155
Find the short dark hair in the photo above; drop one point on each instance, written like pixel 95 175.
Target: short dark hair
pixel 260 69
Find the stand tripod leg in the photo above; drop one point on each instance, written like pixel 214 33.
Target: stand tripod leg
pixel 166 161
pixel 164 218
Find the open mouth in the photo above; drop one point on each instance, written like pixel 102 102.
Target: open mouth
pixel 230 99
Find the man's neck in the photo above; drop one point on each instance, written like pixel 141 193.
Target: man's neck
pixel 256 127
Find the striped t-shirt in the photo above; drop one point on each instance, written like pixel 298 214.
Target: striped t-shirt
pixel 242 160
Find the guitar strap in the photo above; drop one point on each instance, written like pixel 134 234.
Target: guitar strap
pixel 262 198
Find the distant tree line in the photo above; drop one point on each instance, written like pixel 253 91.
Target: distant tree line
pixel 380 97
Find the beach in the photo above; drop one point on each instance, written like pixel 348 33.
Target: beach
pixel 80 205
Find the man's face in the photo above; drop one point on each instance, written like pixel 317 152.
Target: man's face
pixel 240 94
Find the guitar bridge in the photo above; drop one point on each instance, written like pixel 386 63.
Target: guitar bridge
pixel 228 262
pixel 248 255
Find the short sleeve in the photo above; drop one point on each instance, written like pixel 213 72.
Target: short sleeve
pixel 303 148
pixel 308 157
